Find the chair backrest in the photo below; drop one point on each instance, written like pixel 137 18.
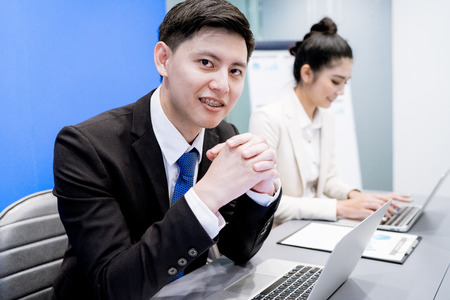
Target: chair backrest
pixel 32 244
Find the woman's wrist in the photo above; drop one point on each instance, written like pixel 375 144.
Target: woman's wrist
pixel 353 193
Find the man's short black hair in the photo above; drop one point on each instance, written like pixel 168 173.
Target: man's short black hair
pixel 185 19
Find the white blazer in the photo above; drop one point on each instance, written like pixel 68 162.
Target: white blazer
pixel 280 123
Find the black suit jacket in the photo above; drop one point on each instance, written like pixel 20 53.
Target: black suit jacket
pixel 124 241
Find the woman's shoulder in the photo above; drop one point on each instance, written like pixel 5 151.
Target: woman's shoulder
pixel 276 107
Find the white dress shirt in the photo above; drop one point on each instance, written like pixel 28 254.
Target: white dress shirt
pixel 173 146
pixel 311 144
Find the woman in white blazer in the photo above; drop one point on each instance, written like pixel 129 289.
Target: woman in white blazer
pixel 300 129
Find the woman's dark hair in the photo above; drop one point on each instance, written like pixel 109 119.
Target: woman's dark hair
pixel 319 48
pixel 186 18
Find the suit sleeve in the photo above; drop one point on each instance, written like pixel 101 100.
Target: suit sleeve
pixel 102 253
pixel 248 226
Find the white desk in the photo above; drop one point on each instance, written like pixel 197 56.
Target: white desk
pixel 420 277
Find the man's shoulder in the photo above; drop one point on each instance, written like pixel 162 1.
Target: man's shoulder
pixel 115 124
pixel 111 115
pixel 117 114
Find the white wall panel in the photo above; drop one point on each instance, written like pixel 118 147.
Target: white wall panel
pixel 421 94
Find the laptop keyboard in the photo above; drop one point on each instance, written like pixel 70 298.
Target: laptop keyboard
pixel 401 217
pixel 296 284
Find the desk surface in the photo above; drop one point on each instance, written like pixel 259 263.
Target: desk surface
pixel 422 276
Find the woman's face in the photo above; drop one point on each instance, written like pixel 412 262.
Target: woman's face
pixel 328 83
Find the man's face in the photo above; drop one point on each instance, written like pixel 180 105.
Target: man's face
pixel 204 79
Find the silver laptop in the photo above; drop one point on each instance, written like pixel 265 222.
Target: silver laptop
pixel 294 280
pixel 408 215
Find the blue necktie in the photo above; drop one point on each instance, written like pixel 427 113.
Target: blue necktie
pixel 185 180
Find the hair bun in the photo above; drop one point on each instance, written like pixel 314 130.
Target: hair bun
pixel 326 25
pixel 293 49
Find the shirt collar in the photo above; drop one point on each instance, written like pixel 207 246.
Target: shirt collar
pixel 171 141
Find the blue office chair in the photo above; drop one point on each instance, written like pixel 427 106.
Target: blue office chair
pixel 32 244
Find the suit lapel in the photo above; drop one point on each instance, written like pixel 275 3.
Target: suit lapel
pixel 148 151
pixel 211 139
pixel 295 133
pixel 326 135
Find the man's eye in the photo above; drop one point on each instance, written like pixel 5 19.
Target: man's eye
pixel 335 82
pixel 235 72
pixel 205 62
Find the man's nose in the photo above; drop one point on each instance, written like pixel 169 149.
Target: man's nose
pixel 220 82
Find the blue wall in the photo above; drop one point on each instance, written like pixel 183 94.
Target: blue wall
pixel 62 62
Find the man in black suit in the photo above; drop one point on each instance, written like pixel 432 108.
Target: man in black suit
pixel 115 173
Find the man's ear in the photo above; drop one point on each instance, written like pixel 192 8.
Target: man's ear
pixel 161 56
pixel 306 74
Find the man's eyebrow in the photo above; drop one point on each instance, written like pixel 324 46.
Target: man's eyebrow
pixel 214 56
pixel 240 64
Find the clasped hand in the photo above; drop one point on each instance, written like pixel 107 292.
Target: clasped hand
pixel 244 162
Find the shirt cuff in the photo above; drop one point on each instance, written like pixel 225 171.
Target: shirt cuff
pixel 264 199
pixel 212 223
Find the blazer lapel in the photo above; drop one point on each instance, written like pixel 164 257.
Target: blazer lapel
pixel 326 136
pixel 211 139
pixel 295 131
pixel 148 151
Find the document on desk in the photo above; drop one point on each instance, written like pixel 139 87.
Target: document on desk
pixel 384 245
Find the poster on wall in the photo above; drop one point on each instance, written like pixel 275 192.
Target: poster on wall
pixel 270 76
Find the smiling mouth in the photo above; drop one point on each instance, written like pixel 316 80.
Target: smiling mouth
pixel 211 102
